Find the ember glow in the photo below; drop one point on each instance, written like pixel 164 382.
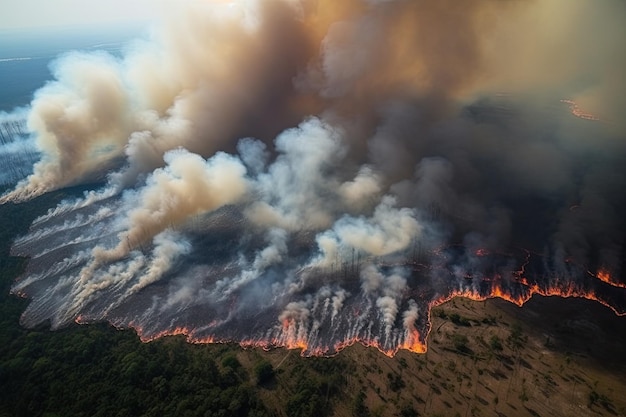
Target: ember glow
pixel 314 174
pixel 576 111
pixel 605 276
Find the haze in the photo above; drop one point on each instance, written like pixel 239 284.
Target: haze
pixel 16 14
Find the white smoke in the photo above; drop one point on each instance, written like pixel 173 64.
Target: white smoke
pixel 387 231
pixel 291 191
pixel 388 290
pixel 186 186
pixel 337 302
pixel 410 315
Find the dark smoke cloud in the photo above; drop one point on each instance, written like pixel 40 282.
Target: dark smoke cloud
pixel 314 173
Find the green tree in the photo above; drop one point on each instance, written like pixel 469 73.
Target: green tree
pixel 495 343
pixel 460 343
pixel 359 409
pixel 264 372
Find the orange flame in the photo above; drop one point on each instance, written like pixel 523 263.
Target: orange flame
pixel 290 333
pixel 412 342
pixel 576 111
pixel 604 276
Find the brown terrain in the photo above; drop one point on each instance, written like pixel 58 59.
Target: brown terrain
pixel 552 357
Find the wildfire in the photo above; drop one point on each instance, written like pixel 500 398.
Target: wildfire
pixel 605 276
pixel 576 111
pixel 176 331
pixel 268 344
pixel 146 337
pixel 374 343
pixel 413 343
pixel 290 336
pixel 293 331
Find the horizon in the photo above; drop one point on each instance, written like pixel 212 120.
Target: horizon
pixel 18 15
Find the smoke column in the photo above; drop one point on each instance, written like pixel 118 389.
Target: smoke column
pixel 311 174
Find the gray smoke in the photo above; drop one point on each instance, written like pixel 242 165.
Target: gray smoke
pixel 312 173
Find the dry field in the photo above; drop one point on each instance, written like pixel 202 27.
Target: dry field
pixel 553 357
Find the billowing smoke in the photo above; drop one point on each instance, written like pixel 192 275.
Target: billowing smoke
pixel 310 173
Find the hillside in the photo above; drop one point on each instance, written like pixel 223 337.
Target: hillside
pixel 553 357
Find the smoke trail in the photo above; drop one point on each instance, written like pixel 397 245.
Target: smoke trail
pixel 17 150
pixel 312 173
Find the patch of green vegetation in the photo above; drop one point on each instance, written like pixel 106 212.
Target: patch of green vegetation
pixel 460 343
pixel 264 372
pixel 516 338
pixel 396 383
pixel 495 344
pixel 440 312
pixel 408 411
pixel 596 398
pixel 359 409
pixel 459 320
pixel 318 381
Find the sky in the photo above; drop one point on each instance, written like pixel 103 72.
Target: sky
pixel 16 14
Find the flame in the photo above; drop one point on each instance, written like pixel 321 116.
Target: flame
pixel 293 333
pixel 176 331
pixel 576 111
pixel 291 337
pixel 565 289
pixel 605 276
pixel 374 343
pixel 413 343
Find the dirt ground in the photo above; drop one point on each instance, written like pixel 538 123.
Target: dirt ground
pixel 552 357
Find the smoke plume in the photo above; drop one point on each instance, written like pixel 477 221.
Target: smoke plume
pixel 314 173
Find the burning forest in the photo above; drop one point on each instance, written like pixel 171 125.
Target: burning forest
pixel 314 174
